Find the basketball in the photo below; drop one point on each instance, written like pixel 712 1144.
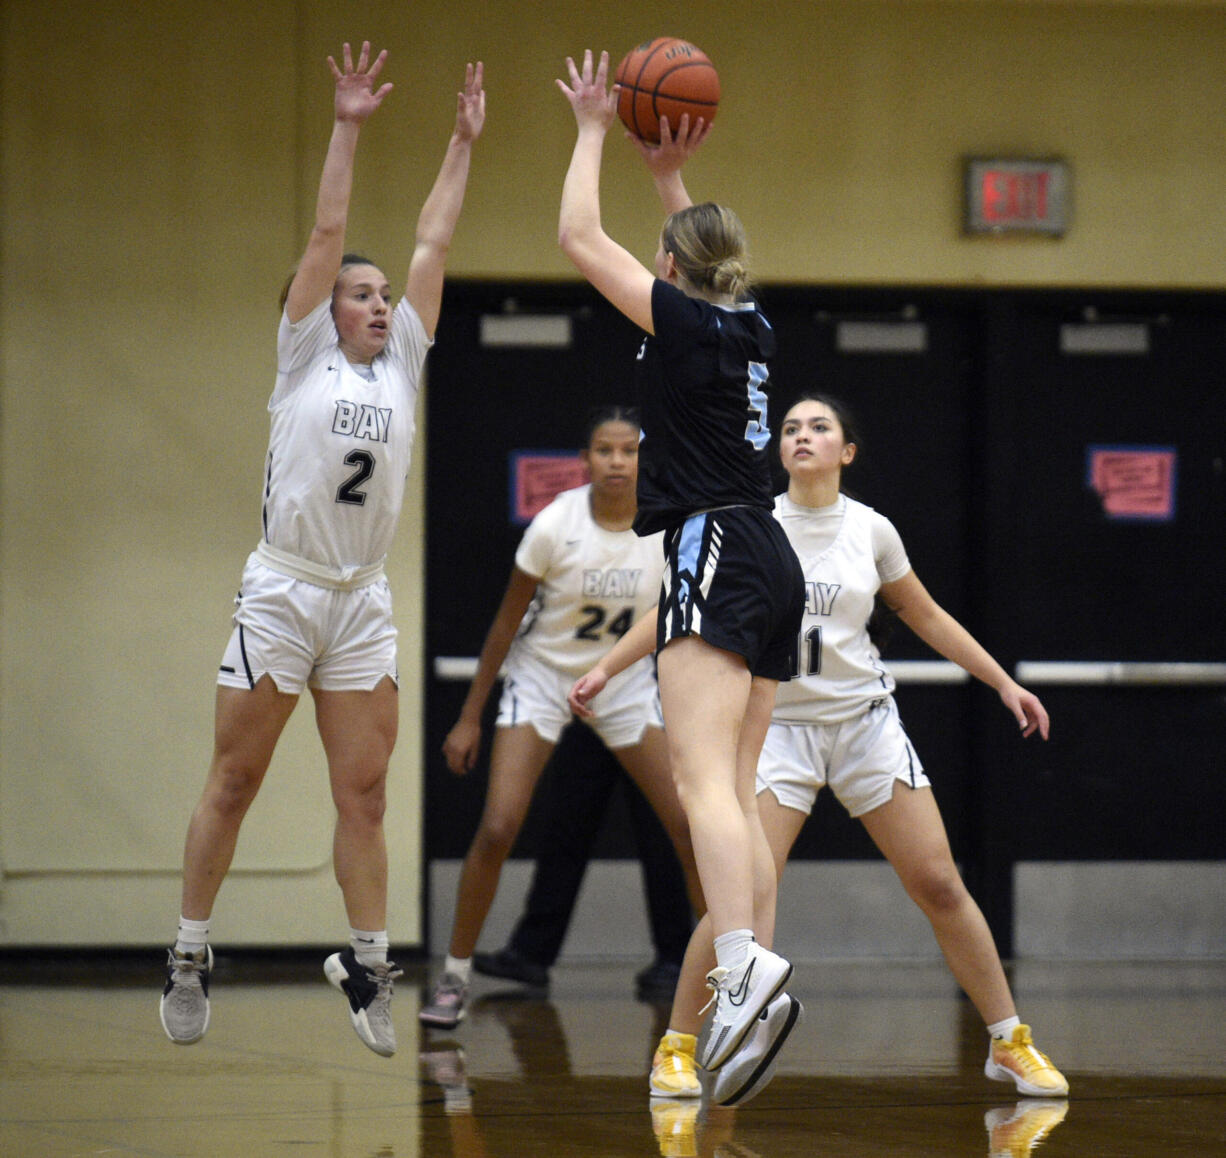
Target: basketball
pixel 665 77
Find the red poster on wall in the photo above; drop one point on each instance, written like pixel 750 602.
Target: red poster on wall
pixel 1134 482
pixel 538 476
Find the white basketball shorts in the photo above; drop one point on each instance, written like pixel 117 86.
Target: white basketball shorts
pixel 535 693
pixel 860 759
pixel 304 635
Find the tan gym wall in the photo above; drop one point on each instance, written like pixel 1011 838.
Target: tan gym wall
pixel 159 164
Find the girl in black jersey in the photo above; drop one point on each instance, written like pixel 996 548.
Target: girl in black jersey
pixel 732 595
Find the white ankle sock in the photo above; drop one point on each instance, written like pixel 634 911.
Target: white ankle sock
pixel 462 967
pixel 731 948
pixel 192 937
pixel 370 948
pixel 1004 1028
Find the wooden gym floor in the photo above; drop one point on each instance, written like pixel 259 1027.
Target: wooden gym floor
pixel 887 1061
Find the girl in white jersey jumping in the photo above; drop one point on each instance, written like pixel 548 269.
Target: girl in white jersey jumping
pixel 836 724
pixel 314 609
pixel 581 578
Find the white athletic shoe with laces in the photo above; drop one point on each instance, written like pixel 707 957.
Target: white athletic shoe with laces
pixel 749 1071
pixel 740 995
pixel 369 990
pixel 184 1008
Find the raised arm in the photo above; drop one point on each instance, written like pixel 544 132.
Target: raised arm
pixel 437 220
pixel 909 599
pixel 615 272
pixel 355 100
pixel 665 160
pixel 463 742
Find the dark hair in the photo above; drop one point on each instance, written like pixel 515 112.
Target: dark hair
pixel 609 412
pixel 347 260
pixel 881 620
pixel 839 408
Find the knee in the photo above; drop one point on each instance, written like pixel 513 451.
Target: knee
pixel 494 838
pixel 937 889
pixel 232 786
pixel 362 799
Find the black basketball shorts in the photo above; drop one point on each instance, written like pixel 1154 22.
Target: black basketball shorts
pixel 732 578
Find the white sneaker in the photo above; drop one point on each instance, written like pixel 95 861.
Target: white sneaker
pixel 741 994
pixel 369 990
pixel 184 1007
pixel 749 1071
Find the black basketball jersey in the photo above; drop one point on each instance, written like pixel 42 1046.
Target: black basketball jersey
pixel 703 400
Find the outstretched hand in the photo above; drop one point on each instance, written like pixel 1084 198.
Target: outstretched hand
pixel 1026 709
pixel 674 150
pixel 356 95
pixel 589 97
pixel 470 104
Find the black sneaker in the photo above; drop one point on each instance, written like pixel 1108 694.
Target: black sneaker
pixel 369 990
pixel 512 966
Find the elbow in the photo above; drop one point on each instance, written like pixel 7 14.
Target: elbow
pixel 432 246
pixel 575 244
pixel 329 229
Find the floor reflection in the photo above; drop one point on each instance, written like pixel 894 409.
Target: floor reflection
pixel 888 1061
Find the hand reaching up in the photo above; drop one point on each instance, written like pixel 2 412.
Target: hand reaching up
pixel 356 95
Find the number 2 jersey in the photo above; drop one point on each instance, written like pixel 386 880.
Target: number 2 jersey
pixel 340 445
pixel 846 551
pixel 702 395
pixel 592 584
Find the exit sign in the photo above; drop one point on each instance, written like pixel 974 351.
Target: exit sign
pixel 1009 195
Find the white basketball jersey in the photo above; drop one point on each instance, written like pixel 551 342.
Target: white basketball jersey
pixel 839 670
pixel 339 448
pixel 593 584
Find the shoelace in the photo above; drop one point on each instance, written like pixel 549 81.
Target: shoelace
pixel 1029 1055
pixel 714 980
pixel 672 1057
pixel 383 976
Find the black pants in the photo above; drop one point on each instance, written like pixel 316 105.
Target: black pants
pixel 578 792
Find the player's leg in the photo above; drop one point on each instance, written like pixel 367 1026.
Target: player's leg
pixel 358 730
pixel 670 913
pixel 673 1065
pixel 578 791
pixel 706 755
pixel 647 764
pixel 911 835
pixel 518 756
pixel 749 749
pixel 704 692
pixel 750 1069
pixel 247 724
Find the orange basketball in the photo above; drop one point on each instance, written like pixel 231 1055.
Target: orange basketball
pixel 665 77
